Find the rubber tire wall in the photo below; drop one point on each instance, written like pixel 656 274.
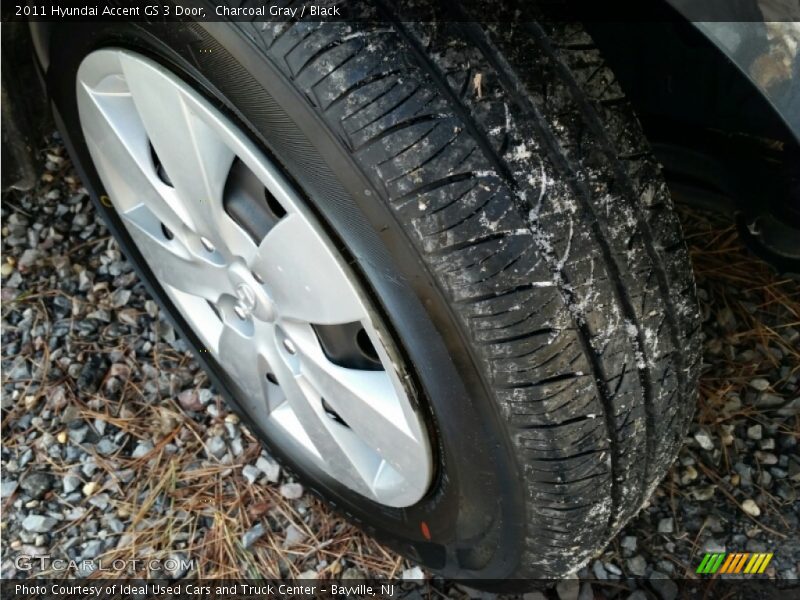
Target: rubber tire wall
pixel 495 192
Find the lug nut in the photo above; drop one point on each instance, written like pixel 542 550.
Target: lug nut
pixel 240 311
pixel 289 345
pixel 207 244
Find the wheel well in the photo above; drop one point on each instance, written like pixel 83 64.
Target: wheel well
pixel 722 144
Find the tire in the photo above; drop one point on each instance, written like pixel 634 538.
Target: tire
pixel 494 194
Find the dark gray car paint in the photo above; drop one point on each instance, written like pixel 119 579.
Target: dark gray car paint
pixel 767 52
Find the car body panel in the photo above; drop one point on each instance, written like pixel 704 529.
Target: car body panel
pixel 760 37
pixel 767 54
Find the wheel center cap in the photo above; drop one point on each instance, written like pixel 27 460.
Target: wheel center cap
pixel 246 296
pixel 251 297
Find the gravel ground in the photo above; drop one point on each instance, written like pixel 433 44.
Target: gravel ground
pixel 115 446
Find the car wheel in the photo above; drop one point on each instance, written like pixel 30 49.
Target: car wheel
pixel 434 266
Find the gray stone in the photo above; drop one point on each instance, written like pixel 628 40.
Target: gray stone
pixel 294 536
pixel 704 439
pixel 270 468
pixel 712 545
pixel 7 488
pixel 236 446
pixel 637 565
pixel 666 566
pixel 629 543
pixel 216 447
pixel 84 281
pixel 105 447
pixel 754 432
pixel 142 448
pixel 759 384
pixel 413 574
pixel 794 470
pixel 70 483
pixel 292 491
pixel 19 370
pixel 568 589
pixel 100 314
pixel 8 570
pixel 126 475
pixel 205 396
pixel 128 316
pixel 190 400
pixel 28 258
pixel 353 573
pixel 767 400
pixel 38 523
pixel 151 308
pixel 766 458
pixel 120 298
pixel 116 525
pixel 745 472
pixel 663 586
pixel 75 513
pixel 713 524
pixel 89 467
pixel 250 473
pixel 34 550
pixel 27 456
pixel 586 592
pixel 253 534
pixel 791 409
pixel 100 501
pixel 598 570
pixel 666 525
pixel 92 549
pixel 76 436
pixel 778 473
pixel 765 479
pixel 703 493
pixel 175 566
pixel 733 405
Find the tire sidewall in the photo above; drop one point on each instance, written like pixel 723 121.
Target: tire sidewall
pixel 474 510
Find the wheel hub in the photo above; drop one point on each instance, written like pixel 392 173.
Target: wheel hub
pixel 252 297
pixel 247 297
pixel 255 276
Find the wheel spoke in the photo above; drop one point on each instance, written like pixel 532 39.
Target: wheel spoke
pixel 171 263
pixel 195 157
pixel 119 147
pixel 305 280
pixel 368 403
pixel 237 352
pixel 302 400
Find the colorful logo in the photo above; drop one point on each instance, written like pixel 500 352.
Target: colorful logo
pixel 734 562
